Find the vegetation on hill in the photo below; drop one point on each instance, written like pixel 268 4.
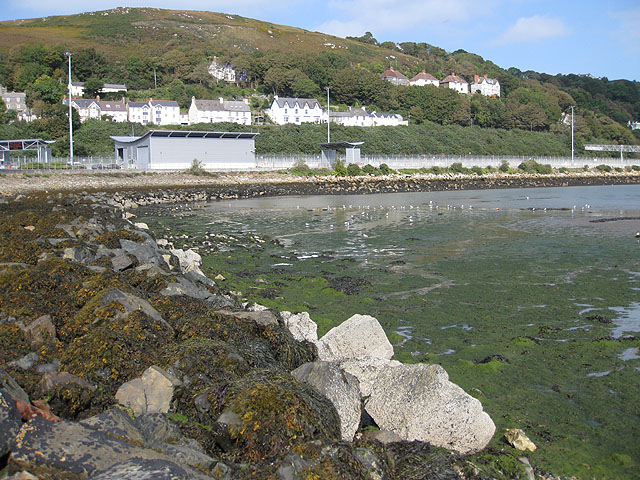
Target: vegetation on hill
pixel 178 46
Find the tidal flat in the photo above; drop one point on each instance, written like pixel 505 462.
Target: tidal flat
pixel 527 297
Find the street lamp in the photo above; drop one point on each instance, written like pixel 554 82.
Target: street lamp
pixel 68 54
pixel 572 149
pixel 328 117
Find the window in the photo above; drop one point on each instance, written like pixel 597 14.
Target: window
pixel 286 119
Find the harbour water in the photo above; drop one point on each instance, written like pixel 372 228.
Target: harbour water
pixel 528 297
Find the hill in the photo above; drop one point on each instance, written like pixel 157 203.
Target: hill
pixel 165 54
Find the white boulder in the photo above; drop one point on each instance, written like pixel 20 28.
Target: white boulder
pixel 150 393
pixel 359 336
pixel 301 326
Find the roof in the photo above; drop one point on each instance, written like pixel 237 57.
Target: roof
pixel 138 104
pixel 490 81
pixel 118 86
pixel 291 102
pixel 424 76
pixel 164 103
pixel 354 112
pixel 81 102
pixel 386 115
pixel 453 78
pixel 112 106
pixel 391 73
pixel 337 145
pixel 187 134
pixel 225 106
pixel 14 95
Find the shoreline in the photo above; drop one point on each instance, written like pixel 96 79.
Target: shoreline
pixel 225 186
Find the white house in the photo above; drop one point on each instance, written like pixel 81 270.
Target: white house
pixel 222 70
pixel 423 78
pixel 634 125
pixel 387 119
pixel 164 112
pixel 394 77
pixel 114 111
pixel 17 101
pixel 456 83
pixel 221 110
pixel 77 88
pixel 354 117
pixel 139 112
pixel 486 86
pixel 295 110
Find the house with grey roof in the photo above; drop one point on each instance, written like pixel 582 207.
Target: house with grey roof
pixel 353 117
pixel 295 110
pixel 114 111
pixel 381 119
pixel 77 88
pixel 220 110
pixel 164 112
pixel 139 112
pixel 17 101
pixel 86 107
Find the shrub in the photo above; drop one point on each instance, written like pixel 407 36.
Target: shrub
pixel 531 166
pixel 300 168
pixel 353 170
pixel 457 167
pixel 635 168
pixel 370 170
pixel 603 168
pixel 504 166
pixel 339 169
pixel 197 169
pixel 477 170
pixel 384 168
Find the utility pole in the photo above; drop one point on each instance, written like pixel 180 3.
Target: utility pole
pixel 328 117
pixel 68 54
pixel 572 149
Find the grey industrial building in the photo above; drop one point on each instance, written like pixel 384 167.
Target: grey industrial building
pixel 177 149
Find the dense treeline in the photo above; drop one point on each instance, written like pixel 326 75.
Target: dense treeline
pixel 530 101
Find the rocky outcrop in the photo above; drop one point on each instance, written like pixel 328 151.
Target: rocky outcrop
pixel 359 336
pixel 301 326
pixel 10 421
pixel 366 370
pixel 339 387
pixel 418 402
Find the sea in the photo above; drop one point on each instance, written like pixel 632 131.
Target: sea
pixel 529 298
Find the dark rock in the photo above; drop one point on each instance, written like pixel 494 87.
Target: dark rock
pixel 132 303
pixel 599 318
pixel 347 285
pixel 40 332
pixel 121 262
pixel 292 467
pixel 10 421
pixel 157 429
pixel 496 357
pixel 146 252
pixel 80 255
pixel 117 423
pixel 11 387
pixel 27 362
pixel 51 380
pixel 144 469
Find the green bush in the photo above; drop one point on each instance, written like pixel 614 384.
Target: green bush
pixel 603 168
pixel 339 169
pixel 353 170
pixel 635 168
pixel 531 166
pixel 504 166
pixel 370 170
pixel 385 170
pixel 457 167
pixel 477 170
pixel 300 168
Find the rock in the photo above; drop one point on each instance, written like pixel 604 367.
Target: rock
pixel 519 440
pixel 51 380
pixel 72 450
pixel 131 303
pixel 366 370
pixel 263 317
pixel 150 393
pixel 10 421
pixel 121 262
pixel 301 326
pixel 418 402
pixel 11 387
pixel 117 423
pixel 189 260
pixel 157 429
pixel 141 226
pixel 79 254
pixel 182 286
pixel 292 467
pixel 340 388
pixel 371 463
pixel 27 362
pixel 359 336
pixel 22 476
pixel 185 455
pixel 382 436
pixel 40 332
pixel 145 252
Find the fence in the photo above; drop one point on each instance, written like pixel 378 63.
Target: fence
pixel 396 162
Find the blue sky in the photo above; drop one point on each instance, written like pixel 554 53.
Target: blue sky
pixel 601 38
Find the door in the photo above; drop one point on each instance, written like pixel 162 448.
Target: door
pixel 142 155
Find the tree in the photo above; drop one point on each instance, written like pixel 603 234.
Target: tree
pixel 45 89
pixel 88 63
pixel 92 87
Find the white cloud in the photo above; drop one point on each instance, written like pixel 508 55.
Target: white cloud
pixel 395 16
pixel 532 30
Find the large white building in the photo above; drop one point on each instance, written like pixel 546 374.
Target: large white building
pixel 86 107
pixel 221 110
pixel 222 71
pixel 139 112
pixel 455 82
pixel 77 88
pixel 423 78
pixel 354 117
pixel 486 86
pixel 387 119
pixel 114 111
pixel 295 110
pixel 164 112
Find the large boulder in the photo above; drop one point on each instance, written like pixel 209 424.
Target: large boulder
pixel 10 421
pixel 189 260
pixel 359 336
pixel 366 370
pixel 301 326
pixel 150 393
pixel 40 332
pixel 418 402
pixel 339 387
pixel 132 303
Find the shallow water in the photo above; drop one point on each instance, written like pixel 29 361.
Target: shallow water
pixel 459 278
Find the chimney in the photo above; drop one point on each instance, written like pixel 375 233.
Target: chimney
pixel 475 78
pixel 221 100
pixel 246 100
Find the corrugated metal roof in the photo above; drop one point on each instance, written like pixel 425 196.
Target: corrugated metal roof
pixel 186 134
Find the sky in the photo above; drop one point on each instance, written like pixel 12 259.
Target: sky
pixel 601 38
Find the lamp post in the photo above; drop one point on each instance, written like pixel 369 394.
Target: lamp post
pixel 328 117
pixel 68 54
pixel 572 149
